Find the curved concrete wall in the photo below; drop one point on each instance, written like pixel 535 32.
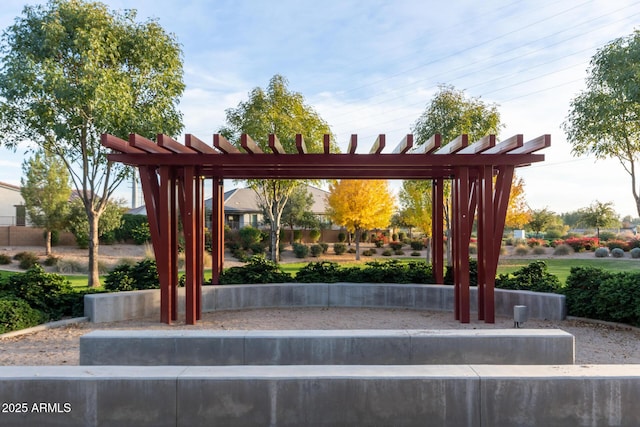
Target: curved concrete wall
pixel 129 305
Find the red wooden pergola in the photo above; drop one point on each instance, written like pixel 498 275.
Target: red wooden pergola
pixel 172 176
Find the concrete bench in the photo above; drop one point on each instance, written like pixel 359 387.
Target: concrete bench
pixel 327 347
pixel 135 304
pixel 456 395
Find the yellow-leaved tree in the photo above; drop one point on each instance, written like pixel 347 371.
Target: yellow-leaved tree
pixel 360 205
pixel 518 213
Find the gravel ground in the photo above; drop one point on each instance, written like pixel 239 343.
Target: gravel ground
pixel 595 343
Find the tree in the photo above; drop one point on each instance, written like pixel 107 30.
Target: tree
pixel 518 214
pixel 71 71
pixel 46 191
pixel 415 199
pixel 605 118
pixel 293 214
pixel 599 215
pixel 540 219
pixel 110 221
pixel 278 111
pixel 450 113
pixel 360 205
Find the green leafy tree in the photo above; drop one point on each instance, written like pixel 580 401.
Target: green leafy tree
pixel 540 220
pixel 451 113
pixel 604 119
pixel 293 214
pixel 110 221
pixel 73 70
pixel 599 215
pixel 416 203
pixel 46 191
pixel 279 111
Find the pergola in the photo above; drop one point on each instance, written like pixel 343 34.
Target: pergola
pixel 172 176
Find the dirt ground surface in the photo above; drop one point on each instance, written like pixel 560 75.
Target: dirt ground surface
pixel 596 343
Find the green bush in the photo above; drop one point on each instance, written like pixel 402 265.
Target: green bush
pixel 339 248
pixel 130 222
pixel 533 277
pixel 417 245
pixel 141 233
pixel 124 277
pixel 415 253
pixel 581 290
pixel 562 250
pixel 635 253
pixel 398 252
pixel 297 235
pixel 387 252
pixel 314 235
pixel 351 250
pixel 300 250
pixel 617 253
pixel 316 250
pixel 319 272
pixel 618 298
pixel 521 250
pixel 602 252
pixel 257 270
pixel 26 260
pixel 473 274
pixel 367 252
pixel 539 250
pixel 51 260
pixel 605 236
pixel 248 236
pixel 5 259
pixel 17 314
pixel 396 246
pixel 342 237
pixel 42 291
pixel 325 247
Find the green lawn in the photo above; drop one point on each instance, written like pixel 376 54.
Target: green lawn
pixel 561 267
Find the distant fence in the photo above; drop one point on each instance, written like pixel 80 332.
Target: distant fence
pixel 30 236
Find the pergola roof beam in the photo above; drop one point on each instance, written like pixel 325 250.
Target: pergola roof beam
pixel 378 145
pixel 300 145
pixel 221 143
pixel 432 144
pixel 196 144
pixel 145 144
pixel 249 145
pixel 117 144
pixel 275 145
pixel 172 145
pixel 405 145
pixel 480 146
pixel 534 145
pixel 454 146
pixel 353 144
pixel 506 146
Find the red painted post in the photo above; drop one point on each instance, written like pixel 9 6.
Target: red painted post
pixel 189 226
pixel 462 237
pixel 437 227
pixel 217 229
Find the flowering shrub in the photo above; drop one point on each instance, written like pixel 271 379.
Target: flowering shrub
pixel 581 244
pixel 620 244
pixel 531 242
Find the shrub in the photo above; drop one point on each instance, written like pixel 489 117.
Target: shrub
pixel 373 251
pixel 351 250
pixel 562 250
pixel 602 252
pixel 319 272
pixel 617 253
pixel 297 235
pixel 51 260
pixel 635 253
pixel 539 250
pixel 42 291
pixel 300 250
pixel 316 250
pixel 553 233
pixel 143 275
pixel 618 298
pixel 5 259
pixel 325 247
pixel 387 252
pixel 398 252
pixel 401 236
pixel 339 248
pixel 70 266
pixel 521 250
pixel 415 253
pixel 258 248
pixel 128 223
pixel 18 314
pixel 620 244
pixel 581 244
pixel 533 277
pixel 248 236
pixel 606 236
pixel 367 252
pixel 257 270
pixel 473 274
pixel 581 290
pixel 342 237
pixel 394 236
pixel 379 243
pixel 141 233
pixel 396 245
pixel 533 242
pixel 417 245
pixel 314 235
pixel 26 260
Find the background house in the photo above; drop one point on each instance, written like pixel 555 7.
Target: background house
pixel 12 209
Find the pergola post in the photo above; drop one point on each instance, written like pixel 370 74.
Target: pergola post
pixel 461 237
pixel 437 229
pixel 217 229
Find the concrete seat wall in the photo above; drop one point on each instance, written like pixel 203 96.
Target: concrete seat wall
pixel 130 305
pixel 456 395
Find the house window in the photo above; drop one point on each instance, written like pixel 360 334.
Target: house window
pixel 21 216
pixel 254 220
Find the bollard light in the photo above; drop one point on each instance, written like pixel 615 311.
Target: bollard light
pixel 520 315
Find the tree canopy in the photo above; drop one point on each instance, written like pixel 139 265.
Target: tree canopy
pixel 72 70
pixel 360 205
pixel 604 119
pixel 599 215
pixel 279 111
pixel 45 189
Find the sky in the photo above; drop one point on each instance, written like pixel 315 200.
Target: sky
pixel 371 67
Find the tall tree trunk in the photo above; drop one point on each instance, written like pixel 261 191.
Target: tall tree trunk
pixel 275 233
pixel 47 242
pixel 358 232
pixel 94 277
